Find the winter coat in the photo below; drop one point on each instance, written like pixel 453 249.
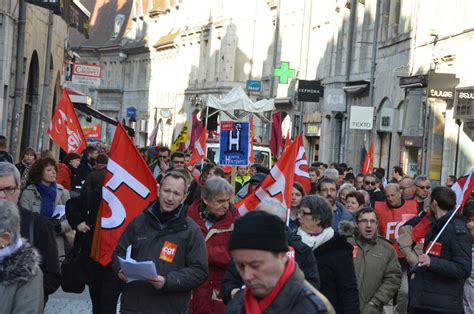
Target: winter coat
pixel 296 296
pixel 208 298
pixel 21 282
pixel 439 287
pixel 39 232
pixel 378 271
pixel 340 214
pixel 337 275
pixel 64 176
pixel 304 257
pixel 31 200
pixel 83 170
pixel 5 156
pixel 186 271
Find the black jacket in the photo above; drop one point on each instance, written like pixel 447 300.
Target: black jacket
pixel 337 274
pixel 39 232
pixel 84 168
pixel 303 256
pixel 187 270
pixel 296 296
pixel 439 287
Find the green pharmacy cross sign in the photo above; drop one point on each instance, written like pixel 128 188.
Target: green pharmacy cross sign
pixel 284 72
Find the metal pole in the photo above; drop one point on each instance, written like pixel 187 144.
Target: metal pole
pixel 19 88
pixel 275 48
pixel 458 122
pixel 44 98
pixel 389 154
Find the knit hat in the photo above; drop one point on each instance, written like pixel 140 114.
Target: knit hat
pixel 259 230
pixel 257 178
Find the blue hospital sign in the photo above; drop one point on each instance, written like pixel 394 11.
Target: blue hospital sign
pixel 234 144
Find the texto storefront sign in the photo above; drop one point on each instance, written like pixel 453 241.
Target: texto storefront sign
pixel 86 74
pixel 361 118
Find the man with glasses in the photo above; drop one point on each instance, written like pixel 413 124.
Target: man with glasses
pixel 372 186
pixel 422 192
pixel 375 262
pixel 35 228
pixel 392 214
pixel 327 189
pixel 162 162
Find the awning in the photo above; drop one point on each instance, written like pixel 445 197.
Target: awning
pixel 237 99
pixel 82 102
pixel 357 88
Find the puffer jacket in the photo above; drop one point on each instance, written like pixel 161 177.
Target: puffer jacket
pixel 439 287
pixel 21 282
pixel 377 269
pixel 185 270
pixel 296 296
pixel 208 298
pixel 31 200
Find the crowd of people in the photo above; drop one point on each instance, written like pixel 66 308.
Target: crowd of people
pixel 352 243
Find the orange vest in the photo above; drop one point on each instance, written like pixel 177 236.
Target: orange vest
pixel 391 219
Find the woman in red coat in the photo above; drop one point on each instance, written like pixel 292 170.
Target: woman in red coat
pixel 216 221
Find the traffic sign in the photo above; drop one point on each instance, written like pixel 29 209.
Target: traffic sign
pixel 254 86
pixel 234 144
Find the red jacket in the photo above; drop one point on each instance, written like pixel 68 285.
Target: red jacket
pixel 64 176
pixel 391 219
pixel 207 298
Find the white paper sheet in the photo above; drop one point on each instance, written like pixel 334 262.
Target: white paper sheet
pixel 59 211
pixel 136 270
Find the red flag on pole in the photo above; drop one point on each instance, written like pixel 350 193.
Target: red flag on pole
pixel 301 167
pixel 129 187
pixel 463 188
pixel 65 129
pixel 278 184
pixel 368 166
pixel 276 137
pixel 200 148
pixel 287 141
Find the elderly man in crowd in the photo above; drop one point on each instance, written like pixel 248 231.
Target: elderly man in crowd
pixel 273 281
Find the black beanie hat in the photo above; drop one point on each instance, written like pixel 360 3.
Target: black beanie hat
pixel 259 230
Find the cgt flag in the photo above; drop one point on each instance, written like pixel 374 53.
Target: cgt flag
pixel 278 184
pixel 463 188
pixel 129 187
pixel 65 122
pixel 301 167
pixel 200 149
pixel 368 166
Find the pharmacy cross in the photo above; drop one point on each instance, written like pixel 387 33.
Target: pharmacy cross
pixel 284 72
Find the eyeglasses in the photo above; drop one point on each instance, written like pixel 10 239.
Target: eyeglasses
pixel 367 221
pixel 302 213
pixel 423 187
pixel 9 190
pixel 373 183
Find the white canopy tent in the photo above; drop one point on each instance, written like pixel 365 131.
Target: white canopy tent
pixel 236 99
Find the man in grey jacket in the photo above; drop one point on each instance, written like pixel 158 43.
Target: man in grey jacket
pixel 163 234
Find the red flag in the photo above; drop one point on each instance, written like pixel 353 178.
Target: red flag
pixel 278 184
pixel 129 187
pixel 276 137
pixel 196 130
pixel 65 129
pixel 251 155
pixel 421 228
pixel 368 166
pixel 200 148
pixel 301 167
pixel 287 141
pixel 463 188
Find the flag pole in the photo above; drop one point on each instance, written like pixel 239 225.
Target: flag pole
pixel 442 229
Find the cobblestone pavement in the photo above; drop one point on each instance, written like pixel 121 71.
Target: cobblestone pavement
pixel 69 303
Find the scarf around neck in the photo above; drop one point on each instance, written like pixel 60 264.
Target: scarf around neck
pixel 256 306
pixel 48 197
pixel 9 250
pixel 315 241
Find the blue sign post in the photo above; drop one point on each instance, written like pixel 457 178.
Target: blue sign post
pixel 234 144
pixel 254 86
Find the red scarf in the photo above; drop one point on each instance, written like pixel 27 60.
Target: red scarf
pixel 255 306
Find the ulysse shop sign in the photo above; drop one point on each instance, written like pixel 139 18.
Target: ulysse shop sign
pixel 441 85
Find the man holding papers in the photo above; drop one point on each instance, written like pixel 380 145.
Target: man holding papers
pixel 164 235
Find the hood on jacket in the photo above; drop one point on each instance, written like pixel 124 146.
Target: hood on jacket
pixel 21 265
pixel 347 228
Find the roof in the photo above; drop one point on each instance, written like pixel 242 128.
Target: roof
pixel 166 39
